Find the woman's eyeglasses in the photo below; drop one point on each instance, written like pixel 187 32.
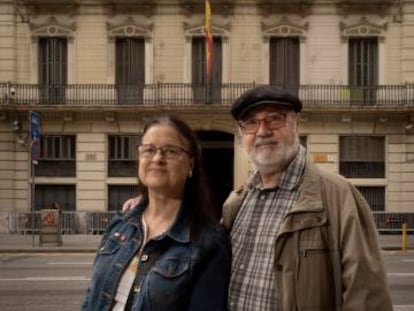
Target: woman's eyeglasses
pixel 170 152
pixel 272 121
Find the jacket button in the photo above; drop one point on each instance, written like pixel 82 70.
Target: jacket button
pixel 144 257
pixel 137 289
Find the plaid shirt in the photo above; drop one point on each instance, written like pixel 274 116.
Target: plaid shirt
pixel 253 238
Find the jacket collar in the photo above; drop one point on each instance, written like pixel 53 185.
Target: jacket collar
pixel 180 229
pixel 308 211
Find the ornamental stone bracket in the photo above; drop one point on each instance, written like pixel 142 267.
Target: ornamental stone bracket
pixel 53 28
pixel 363 28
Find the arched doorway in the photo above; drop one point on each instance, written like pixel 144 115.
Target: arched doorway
pixel 218 158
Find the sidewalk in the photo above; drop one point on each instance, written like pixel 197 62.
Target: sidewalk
pixel 17 243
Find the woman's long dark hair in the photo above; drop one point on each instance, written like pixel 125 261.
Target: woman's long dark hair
pixel 197 197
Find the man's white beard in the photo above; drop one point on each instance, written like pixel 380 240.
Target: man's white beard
pixel 276 160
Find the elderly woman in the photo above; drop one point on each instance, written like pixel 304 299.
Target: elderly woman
pixel 166 253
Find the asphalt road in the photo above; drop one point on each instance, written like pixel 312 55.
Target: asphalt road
pixel 46 282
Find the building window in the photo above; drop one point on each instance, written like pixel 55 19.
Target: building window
pixel 64 195
pixel 118 194
pixel 362 156
pixel 122 155
pixel 363 70
pixel 303 140
pixel 57 156
pixel 284 67
pixel 130 70
pixel 203 92
pixel 52 70
pixel 375 197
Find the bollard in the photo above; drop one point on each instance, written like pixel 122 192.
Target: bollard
pixel 404 237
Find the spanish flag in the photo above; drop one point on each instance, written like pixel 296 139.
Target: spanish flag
pixel 209 43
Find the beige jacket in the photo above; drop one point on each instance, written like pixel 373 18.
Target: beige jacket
pixel 327 253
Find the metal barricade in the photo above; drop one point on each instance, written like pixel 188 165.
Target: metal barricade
pixel 391 222
pixel 50 229
pixel 68 223
pixel 97 221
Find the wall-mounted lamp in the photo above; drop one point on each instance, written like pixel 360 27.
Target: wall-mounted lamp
pixel 67 117
pixel 383 119
pixel 17 125
pixel 109 117
pixel 409 126
pixel 346 118
pixel 22 140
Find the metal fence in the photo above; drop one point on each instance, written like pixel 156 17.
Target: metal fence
pixel 96 222
pixel 185 94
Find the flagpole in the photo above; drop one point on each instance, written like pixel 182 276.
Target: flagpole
pixel 208 48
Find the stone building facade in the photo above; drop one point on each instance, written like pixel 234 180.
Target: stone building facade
pixel 95 69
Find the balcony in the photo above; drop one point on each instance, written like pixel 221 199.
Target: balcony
pixel 92 96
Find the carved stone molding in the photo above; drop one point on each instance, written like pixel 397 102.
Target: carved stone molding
pixel 198 30
pixel 269 7
pixel 38 7
pixel 285 28
pixel 52 28
pixel 380 7
pixel 363 28
pixel 129 28
pixel 146 8
pixel 192 7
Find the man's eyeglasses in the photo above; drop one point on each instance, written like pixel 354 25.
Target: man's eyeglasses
pixel 272 121
pixel 170 152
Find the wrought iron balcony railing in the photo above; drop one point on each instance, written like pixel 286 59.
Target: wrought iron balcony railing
pixel 183 94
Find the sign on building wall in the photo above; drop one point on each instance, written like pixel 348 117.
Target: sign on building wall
pixel 35 136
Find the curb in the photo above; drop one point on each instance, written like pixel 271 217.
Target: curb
pixel 47 250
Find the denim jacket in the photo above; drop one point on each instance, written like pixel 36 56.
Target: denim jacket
pixel 188 275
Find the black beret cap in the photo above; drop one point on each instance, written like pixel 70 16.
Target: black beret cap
pixel 264 95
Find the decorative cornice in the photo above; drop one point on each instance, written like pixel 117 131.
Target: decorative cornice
pixel 53 28
pixel 195 30
pixel 129 28
pixel 363 28
pixel 147 8
pixel 192 7
pixel 269 7
pixel 285 28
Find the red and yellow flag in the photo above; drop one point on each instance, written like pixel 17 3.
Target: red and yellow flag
pixel 209 43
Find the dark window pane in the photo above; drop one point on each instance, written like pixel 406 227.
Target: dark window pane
pixel 363 69
pixel 122 159
pixel 57 156
pixel 130 70
pixel 284 69
pixel 375 197
pixel 118 194
pixel 65 195
pixel 362 156
pixel 204 93
pixel 52 70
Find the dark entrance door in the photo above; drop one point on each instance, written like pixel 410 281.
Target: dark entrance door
pixel 218 157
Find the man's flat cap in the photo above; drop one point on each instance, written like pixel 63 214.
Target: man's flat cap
pixel 264 95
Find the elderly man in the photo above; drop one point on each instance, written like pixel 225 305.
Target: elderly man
pixel 302 238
